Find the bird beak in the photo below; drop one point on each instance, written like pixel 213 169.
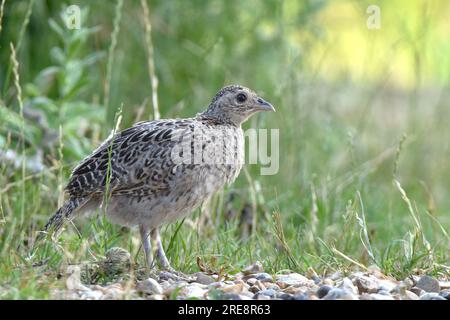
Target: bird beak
pixel 263 105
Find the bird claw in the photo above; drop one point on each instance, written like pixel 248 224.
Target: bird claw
pixel 170 273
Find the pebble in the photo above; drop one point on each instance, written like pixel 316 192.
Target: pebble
pixel 232 296
pixel 301 296
pixel 339 294
pixel 347 285
pixel 428 284
pixel 260 285
pixel 293 279
pixel 377 296
pixel 336 276
pixel 216 284
pixel 286 296
pixel 268 292
pixel 444 284
pixel 384 292
pixel 91 295
pixel 263 277
pixel 192 290
pixel 254 289
pixel 257 267
pixel 387 285
pixel 410 295
pixel 272 286
pixel 236 288
pixel 367 284
pixel 252 284
pixel 432 296
pixel 203 278
pixel 323 291
pixel 294 290
pixel 445 294
pixel 149 286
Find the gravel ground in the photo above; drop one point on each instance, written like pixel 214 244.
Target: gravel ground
pixel 252 283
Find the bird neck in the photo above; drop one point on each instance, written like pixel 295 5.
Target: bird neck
pixel 218 117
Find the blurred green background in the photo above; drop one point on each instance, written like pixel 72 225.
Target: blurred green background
pixel 363 116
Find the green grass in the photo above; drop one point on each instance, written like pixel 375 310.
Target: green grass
pixel 364 172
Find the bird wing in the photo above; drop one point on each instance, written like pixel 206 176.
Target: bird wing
pixel 138 158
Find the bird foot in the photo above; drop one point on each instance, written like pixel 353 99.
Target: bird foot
pixel 170 273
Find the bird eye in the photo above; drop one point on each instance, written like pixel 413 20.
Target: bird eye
pixel 241 97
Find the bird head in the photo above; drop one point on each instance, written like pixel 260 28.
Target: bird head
pixel 235 104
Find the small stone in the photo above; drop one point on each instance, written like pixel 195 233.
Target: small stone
pixel 366 296
pixel 323 291
pixel 293 279
pixel 445 294
pixel 286 296
pixel 339 294
pixel 428 284
pixel 247 293
pixel 347 284
pixel 216 284
pixel 400 289
pixel 260 285
pixel 114 294
pixel 264 277
pixel 294 290
pixel 268 292
pixel 91 295
pixel 231 296
pixel 149 286
pixel 193 290
pixel 387 285
pixel 251 281
pixel 316 280
pixel 366 284
pixel 236 288
pixel 301 296
pixel 203 278
pixel 156 297
pixel 257 267
pixel 384 292
pixel 432 296
pixel 377 296
pixel 410 295
pixel 258 296
pixel 444 284
pixel 336 276
pixel 271 286
pixel 254 289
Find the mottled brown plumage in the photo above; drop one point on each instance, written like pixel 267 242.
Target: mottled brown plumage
pixel 158 171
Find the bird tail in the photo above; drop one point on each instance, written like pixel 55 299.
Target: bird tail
pixel 63 214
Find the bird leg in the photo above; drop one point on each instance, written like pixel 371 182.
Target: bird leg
pixel 145 236
pixel 163 261
pixel 160 254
